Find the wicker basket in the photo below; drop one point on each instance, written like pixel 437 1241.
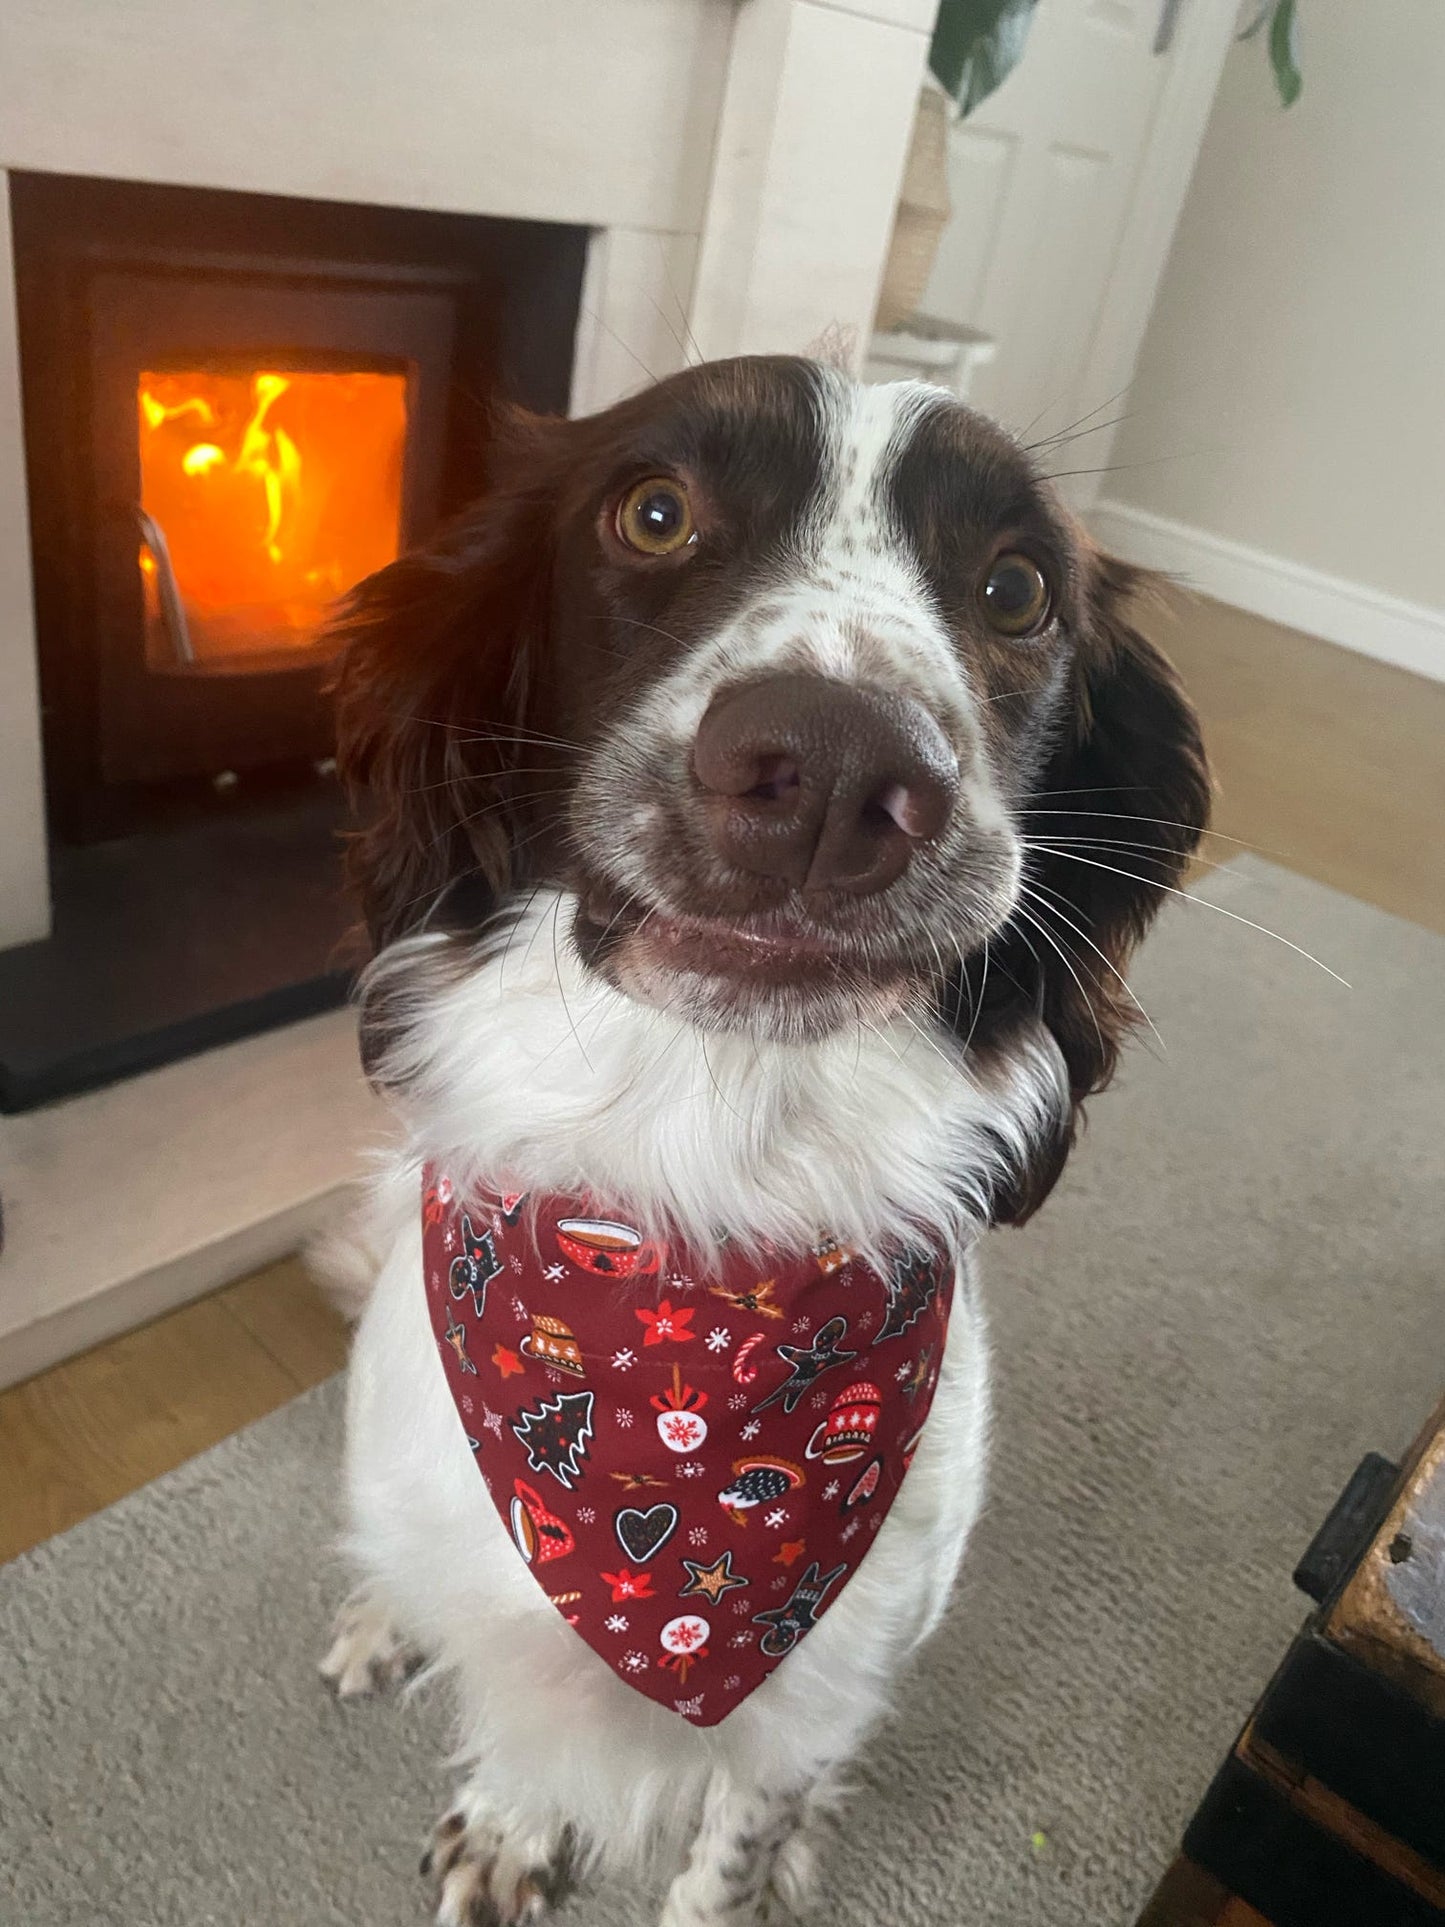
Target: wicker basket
pixel 923 211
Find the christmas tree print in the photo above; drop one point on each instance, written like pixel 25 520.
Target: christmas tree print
pixel 556 1435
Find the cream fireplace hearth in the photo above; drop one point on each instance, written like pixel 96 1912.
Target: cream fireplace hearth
pixel 735 164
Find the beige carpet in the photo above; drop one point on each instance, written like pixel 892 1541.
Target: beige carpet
pixel 1236 1293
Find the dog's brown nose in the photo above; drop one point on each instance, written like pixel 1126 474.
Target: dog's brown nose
pixel 821 784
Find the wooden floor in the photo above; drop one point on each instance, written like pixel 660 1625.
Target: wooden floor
pixel 1327 762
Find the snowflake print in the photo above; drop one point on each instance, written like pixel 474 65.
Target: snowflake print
pixel 519 1310
pixel 623 1417
pixel 801 1324
pixel 875 1522
pixel 680 1430
pixel 741 1606
pixel 515 1263
pixel 777 1517
pixel 635 1662
pixel 491 1421
pixel 449 1240
pixel 718 1339
pixel 687 1633
pixel 850 1530
pixel 741 1639
pixel 690 1709
pixel 779 1583
pixel 466 1404
pixel 436 1281
pixel 616 1622
pixel 554 1274
pixel 691 1469
pixel 903 1370
pixel 698 1536
pixel 587 1515
pixel 832 1489
pixel 750 1430
pixel 818 1401
pixel 732 1682
pixel 737 1401
pixel 680 1281
pixel 624 1360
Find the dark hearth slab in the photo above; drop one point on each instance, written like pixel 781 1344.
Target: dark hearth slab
pixel 171 943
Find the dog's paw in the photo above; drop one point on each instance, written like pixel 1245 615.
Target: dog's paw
pixel 488 1877
pixel 367 1654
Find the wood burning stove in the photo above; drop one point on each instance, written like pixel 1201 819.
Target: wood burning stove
pixel 235 408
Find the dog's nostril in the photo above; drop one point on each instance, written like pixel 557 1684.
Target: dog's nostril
pixel 777 775
pixel 918 813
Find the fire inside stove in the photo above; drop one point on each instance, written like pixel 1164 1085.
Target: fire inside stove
pixel 264 496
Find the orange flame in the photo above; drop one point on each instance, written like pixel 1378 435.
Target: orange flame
pixel 293 496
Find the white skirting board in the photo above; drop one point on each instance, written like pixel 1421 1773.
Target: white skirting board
pixel 1409 634
pixel 126 1202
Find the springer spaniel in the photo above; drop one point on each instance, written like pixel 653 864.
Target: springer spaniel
pixel 744 953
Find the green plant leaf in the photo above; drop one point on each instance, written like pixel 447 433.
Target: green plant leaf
pixel 976 46
pixel 1284 52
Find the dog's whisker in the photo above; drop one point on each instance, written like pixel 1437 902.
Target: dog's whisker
pixel 1234 916
pixel 1035 890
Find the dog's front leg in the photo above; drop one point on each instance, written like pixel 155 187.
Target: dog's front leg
pixel 748 1862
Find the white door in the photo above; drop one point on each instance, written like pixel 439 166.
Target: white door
pixel 1066 187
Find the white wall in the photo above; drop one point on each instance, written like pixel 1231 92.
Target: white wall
pixel 1289 408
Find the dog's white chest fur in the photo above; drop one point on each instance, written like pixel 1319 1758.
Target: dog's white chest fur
pixel 528 1074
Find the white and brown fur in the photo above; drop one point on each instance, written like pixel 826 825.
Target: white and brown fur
pixel 520 704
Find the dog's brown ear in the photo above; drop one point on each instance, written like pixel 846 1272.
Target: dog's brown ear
pixel 433 690
pixel 1111 825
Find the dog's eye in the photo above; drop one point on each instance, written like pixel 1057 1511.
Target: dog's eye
pixel 1014 596
pixel 654 518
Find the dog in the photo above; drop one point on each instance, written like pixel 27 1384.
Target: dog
pixel 765 787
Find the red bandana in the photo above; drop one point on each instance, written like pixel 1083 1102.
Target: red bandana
pixel 692 1465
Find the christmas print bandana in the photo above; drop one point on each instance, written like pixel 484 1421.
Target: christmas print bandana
pixel 692 1462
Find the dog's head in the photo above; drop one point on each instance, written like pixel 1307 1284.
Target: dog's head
pixel 807 692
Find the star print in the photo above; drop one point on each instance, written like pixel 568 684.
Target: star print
pixel 624 1360
pixel 554 1274
pixel 786 1553
pixel 668 1321
pixel 776 1517
pixel 507 1362
pixel 491 1421
pixel 711 1582
pixel 718 1339
pixel 616 1623
pixel 456 1337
